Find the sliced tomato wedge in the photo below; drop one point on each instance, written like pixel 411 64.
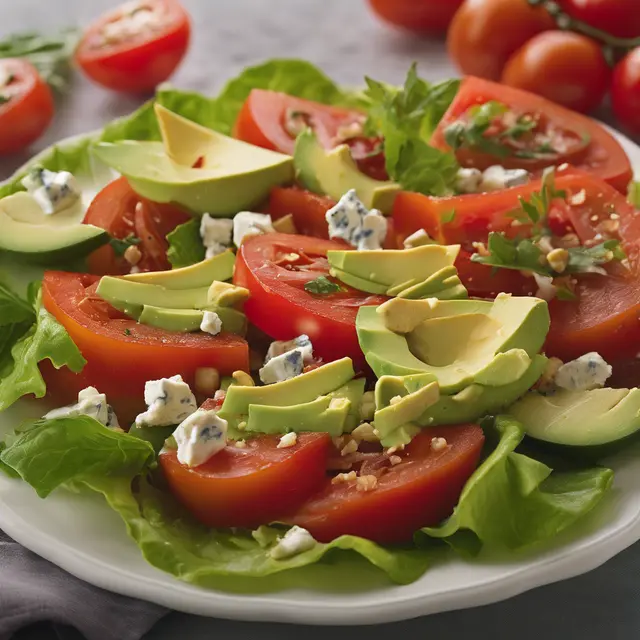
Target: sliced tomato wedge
pixel 275 268
pixel 574 138
pixel 122 212
pixel 122 354
pixel 420 491
pixel 250 486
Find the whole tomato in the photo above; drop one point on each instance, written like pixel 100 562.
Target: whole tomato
pixel 618 17
pixel 420 16
pixel 565 67
pixel 625 90
pixel 484 34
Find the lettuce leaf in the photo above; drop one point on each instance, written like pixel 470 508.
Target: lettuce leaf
pixel 514 501
pixel 185 245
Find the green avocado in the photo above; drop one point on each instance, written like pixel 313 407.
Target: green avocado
pixel 353 392
pixel 27 231
pixel 184 320
pixel 499 339
pixel 202 274
pixel 422 272
pixel 333 172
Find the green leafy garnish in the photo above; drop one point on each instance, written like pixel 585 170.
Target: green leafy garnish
pixel 13 309
pixel 120 245
pixel 448 216
pixel 185 245
pixel 321 286
pixel 633 193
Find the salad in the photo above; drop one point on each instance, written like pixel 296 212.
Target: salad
pixel 296 323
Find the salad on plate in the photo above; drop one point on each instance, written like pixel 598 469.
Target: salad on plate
pixel 296 322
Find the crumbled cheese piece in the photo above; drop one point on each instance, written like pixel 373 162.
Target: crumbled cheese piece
pixel 241 444
pixel 211 323
pixel 468 180
pixel 302 342
pixel 169 401
pixel 133 255
pixel 367 405
pixel 295 541
pixel 200 436
pixel 366 483
pixel 546 289
pixel 90 403
pixel 589 371
pixel 215 234
pixel 283 367
pixel 497 177
pixel 439 444
pixel 395 460
pixel 247 224
pixel 52 190
pixel 350 220
pixel 288 440
pixel 417 239
pixel 138 19
pixel 343 478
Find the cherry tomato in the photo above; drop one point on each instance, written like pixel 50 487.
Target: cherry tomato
pixel 250 486
pixel 484 34
pixel 275 268
pixel 420 16
pixel 618 17
pixel 122 212
pixel 26 105
pixel 136 46
pixel 625 90
pixel 122 354
pixel 420 491
pixel 547 65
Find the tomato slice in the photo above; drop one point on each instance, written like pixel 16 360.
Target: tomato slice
pixel 583 142
pixel 136 46
pixel 275 268
pixel 122 354
pixel 420 491
pixel 250 486
pixel 122 212
pixel 26 105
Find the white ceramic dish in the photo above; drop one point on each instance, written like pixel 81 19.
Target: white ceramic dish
pixel 83 536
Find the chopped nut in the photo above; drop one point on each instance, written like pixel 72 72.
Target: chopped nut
pixel 609 226
pixel 578 198
pixel 344 477
pixel 439 444
pixel 570 240
pixel 558 259
pixel 395 400
pixel 480 248
pixel 392 450
pixel 207 380
pixel 366 483
pixel 241 444
pixel 394 460
pixel 365 432
pixel 367 405
pixel 243 379
pixel 133 255
pixel 285 225
pixel 350 447
pixel 288 440
pixel 546 379
pixel 242 426
pixel 614 216
pixel 594 218
pixel 346 131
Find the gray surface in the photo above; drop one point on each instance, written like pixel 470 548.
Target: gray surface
pixel 346 42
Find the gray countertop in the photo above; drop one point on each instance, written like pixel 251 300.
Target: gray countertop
pixel 342 38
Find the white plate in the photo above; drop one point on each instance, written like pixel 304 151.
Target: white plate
pixel 83 536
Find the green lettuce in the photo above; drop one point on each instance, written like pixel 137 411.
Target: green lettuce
pixel 185 245
pixel 514 501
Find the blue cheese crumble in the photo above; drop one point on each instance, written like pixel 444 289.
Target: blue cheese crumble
pixel 169 401
pixel 247 224
pixel 493 178
pixel 283 367
pixel 302 342
pixel 52 190
pixel 215 234
pixel 90 403
pixel 211 323
pixel 351 221
pixel 296 540
pixel 200 436
pixel 589 371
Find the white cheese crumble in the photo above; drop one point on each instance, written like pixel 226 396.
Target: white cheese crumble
pixel 90 403
pixel 215 234
pixel 52 190
pixel 247 224
pixel 350 220
pixel 296 540
pixel 288 440
pixel 211 323
pixel 170 401
pixel 417 239
pixel 200 436
pixel 283 367
pixel 589 371
pixel 468 180
pixel 497 177
pixel 302 342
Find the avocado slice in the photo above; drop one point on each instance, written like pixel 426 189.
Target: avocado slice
pixel 232 175
pixel 202 274
pixel 353 392
pixel 27 231
pixel 499 339
pixel 233 321
pixel 333 172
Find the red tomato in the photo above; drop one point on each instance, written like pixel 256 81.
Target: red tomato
pixel 420 491
pixel 135 47
pixel 590 146
pixel 547 65
pixel 275 268
pixel 420 16
pixel 625 90
pixel 122 354
pixel 26 105
pixel 122 212
pixel 618 17
pixel 250 486
pixel 484 34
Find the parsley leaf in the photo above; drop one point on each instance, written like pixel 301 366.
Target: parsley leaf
pixel 588 259
pixel 120 245
pixel 321 286
pixel 507 253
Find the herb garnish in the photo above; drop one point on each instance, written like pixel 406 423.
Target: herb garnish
pixel 321 286
pixel 120 245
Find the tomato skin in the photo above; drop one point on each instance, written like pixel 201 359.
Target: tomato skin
pixel 484 34
pixel 281 307
pixel 617 17
pixel 421 491
pixel 29 110
pixel 122 354
pixel 419 16
pixel 547 65
pixel 250 486
pixel 603 156
pixel 625 90
pixel 135 66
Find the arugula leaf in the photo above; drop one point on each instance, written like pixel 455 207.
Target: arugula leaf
pixel 120 245
pixel 321 286
pixel 185 245
pixel 471 133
